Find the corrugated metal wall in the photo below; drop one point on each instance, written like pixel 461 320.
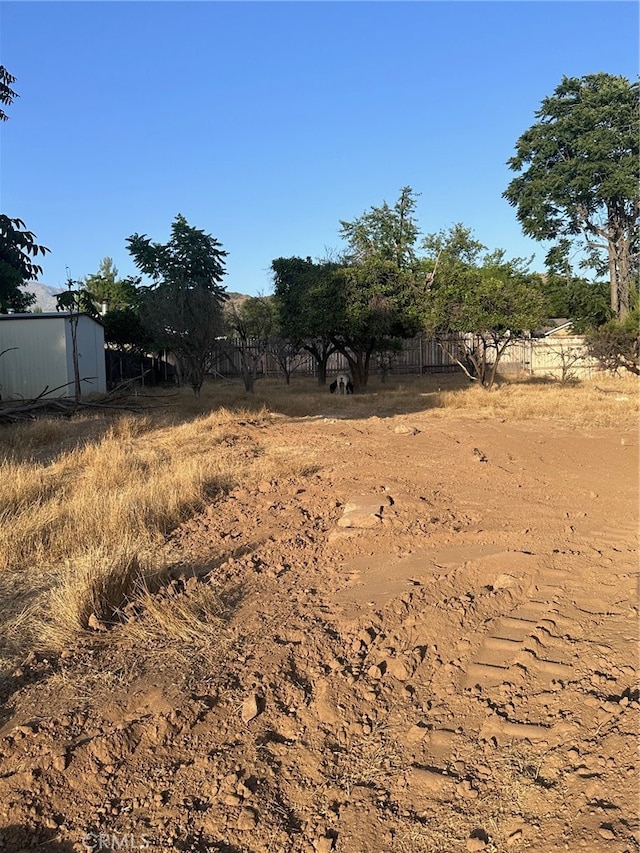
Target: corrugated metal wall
pixel 41 355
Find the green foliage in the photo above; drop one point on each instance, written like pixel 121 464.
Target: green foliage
pixel 125 331
pixel 182 310
pixel 7 95
pixel 306 307
pixel 385 233
pixel 616 344
pixel 375 294
pixel 105 286
pixel 191 258
pixel 17 265
pixel 583 301
pixel 578 178
pixel 76 300
pixel 477 305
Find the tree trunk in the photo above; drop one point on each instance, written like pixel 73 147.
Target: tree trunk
pixel 322 369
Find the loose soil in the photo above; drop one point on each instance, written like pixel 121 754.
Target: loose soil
pixel 427 642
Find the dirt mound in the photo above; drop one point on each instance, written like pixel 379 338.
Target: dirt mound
pixel 429 645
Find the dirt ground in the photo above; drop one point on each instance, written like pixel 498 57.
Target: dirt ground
pixel 429 644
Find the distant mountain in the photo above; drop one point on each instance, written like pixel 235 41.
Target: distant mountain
pixel 45 295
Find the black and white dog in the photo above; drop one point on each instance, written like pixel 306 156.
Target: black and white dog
pixel 342 384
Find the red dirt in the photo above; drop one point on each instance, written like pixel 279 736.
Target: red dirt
pixel 449 663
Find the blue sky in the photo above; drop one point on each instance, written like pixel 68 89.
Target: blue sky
pixel 266 123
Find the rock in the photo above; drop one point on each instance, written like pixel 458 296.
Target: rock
pixel 416 733
pixel 324 844
pixel 399 668
pixel 403 429
pixel 232 800
pixel 514 838
pixel 250 708
pixel 59 760
pixel 475 843
pixel 248 819
pixel 606 832
pixel 362 520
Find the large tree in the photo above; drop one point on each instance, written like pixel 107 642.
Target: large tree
pixel 305 307
pixel 477 303
pixel 578 178
pixel 375 291
pixel 182 308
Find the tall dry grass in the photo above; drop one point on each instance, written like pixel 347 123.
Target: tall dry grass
pixel 82 532
pixel 85 506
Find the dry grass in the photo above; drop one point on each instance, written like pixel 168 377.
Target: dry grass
pixel 602 402
pixel 605 402
pixel 514 791
pixel 79 532
pixel 86 505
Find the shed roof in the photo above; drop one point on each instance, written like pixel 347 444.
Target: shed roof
pixel 48 315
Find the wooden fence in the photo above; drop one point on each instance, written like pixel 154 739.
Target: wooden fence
pixel 558 357
pixel 418 355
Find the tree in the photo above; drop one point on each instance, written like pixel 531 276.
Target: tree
pixel 106 288
pixel 477 303
pixel 182 309
pixel 579 177
pixel 188 322
pixel 373 304
pixel 305 314
pixel 7 95
pixel 375 291
pixel 191 258
pixel 75 300
pixel 386 233
pixel 250 325
pixel 18 248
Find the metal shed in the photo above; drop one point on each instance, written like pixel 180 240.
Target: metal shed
pixel 38 354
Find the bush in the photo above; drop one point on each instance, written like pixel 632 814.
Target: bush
pixel 616 344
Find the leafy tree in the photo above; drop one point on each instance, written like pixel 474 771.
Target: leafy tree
pixel 125 331
pixel 188 322
pixel 386 233
pixel 374 308
pixel 105 287
pixel 7 95
pixel 190 259
pixel 578 178
pixel 182 309
pixel 478 303
pixel 305 315
pixel 250 325
pixel 375 293
pixel 18 249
